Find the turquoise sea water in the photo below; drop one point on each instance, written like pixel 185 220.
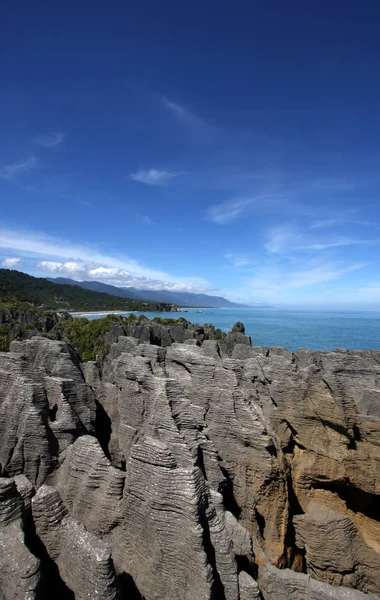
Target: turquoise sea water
pixel 317 330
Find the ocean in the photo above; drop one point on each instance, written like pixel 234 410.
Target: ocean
pixel 292 329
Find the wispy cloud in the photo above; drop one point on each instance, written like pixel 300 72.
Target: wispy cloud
pixel 196 127
pixel 264 199
pixel 153 177
pixel 326 223
pixel 11 262
pixel 238 260
pixel 145 219
pixel 286 239
pixel 318 274
pixel 12 171
pixel 49 140
pixel 367 293
pixel 55 255
pixel 270 282
pixel 227 212
pixel 322 203
pixel 181 113
pixel 83 271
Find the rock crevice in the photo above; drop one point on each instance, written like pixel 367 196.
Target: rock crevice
pixel 189 470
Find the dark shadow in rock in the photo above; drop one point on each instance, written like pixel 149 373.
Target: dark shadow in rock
pixel 55 586
pixel 227 491
pixel 103 428
pixel 52 440
pixel 128 588
pixel 217 590
pixel 244 564
pixel 52 586
pixel 361 502
pixel 201 462
pixel 53 413
pixel 356 500
pixel 294 556
pixel 260 520
pixel 357 438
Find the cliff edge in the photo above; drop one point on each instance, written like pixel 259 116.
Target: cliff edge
pixel 193 470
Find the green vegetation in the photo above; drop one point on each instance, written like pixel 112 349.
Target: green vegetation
pixel 4 338
pixel 169 321
pixel 17 318
pixel 238 327
pixel 16 287
pixel 88 337
pixel 219 334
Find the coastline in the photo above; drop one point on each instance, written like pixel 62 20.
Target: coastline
pixel 123 312
pixel 101 312
pixel 291 329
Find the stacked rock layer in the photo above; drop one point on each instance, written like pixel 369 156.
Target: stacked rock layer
pixel 189 471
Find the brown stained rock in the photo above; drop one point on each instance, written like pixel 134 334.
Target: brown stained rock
pixel 335 551
pixel 193 470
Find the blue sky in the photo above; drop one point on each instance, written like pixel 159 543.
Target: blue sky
pixel 218 146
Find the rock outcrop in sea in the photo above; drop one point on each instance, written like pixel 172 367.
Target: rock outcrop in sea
pixel 189 470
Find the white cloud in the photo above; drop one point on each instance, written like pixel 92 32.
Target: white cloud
pixel 49 140
pixel 368 293
pixel 180 112
pixel 324 223
pixel 53 266
pixel 11 171
pixel 276 284
pixel 196 127
pixel 227 212
pixel 153 177
pixel 286 239
pixel 119 277
pixel 144 219
pixel 319 274
pixel 278 239
pixel 83 262
pixel 9 263
pixel 238 260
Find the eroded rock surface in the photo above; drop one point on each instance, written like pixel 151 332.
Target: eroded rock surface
pixel 182 471
pixel 20 574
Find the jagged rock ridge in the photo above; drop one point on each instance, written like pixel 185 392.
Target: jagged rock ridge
pixel 189 471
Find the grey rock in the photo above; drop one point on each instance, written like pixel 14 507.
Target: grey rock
pixel 84 561
pixel 45 404
pixel 278 584
pixel 240 538
pixel 90 486
pixel 237 337
pixel 335 552
pixel 20 573
pixel 248 587
pixel 169 459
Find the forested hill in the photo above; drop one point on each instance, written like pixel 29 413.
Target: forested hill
pixel 20 287
pixel 188 299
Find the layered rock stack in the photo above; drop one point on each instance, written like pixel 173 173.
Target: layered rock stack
pixel 189 471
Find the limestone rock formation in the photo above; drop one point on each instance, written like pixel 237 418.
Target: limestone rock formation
pixel 84 561
pixel 182 467
pixel 20 574
pixel 45 405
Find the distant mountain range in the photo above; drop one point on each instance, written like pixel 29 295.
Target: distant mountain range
pixel 16 287
pixel 187 299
